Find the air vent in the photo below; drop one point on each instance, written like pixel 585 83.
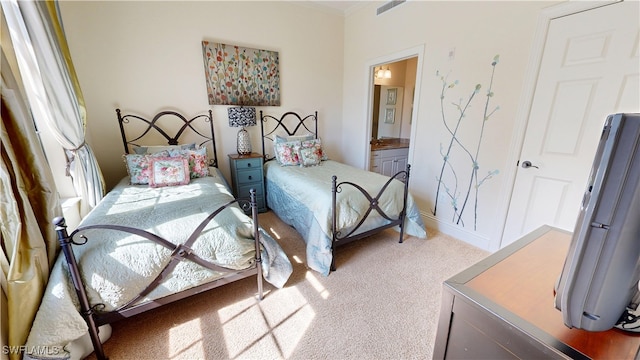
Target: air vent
pixel 390 5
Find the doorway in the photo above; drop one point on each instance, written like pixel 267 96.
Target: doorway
pixel 391 109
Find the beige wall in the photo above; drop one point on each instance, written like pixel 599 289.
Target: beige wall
pixel 477 30
pixel 146 56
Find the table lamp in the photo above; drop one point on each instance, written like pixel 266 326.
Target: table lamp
pixel 240 117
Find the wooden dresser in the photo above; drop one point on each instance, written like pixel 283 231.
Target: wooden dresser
pixel 503 308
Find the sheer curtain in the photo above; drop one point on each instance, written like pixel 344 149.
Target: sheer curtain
pixel 53 90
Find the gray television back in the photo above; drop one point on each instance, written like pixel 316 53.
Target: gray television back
pixel 602 269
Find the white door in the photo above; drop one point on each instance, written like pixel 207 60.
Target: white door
pixel 589 69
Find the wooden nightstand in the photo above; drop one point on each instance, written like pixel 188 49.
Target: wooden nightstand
pixel 247 173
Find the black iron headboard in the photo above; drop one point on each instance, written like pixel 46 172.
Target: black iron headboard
pixel 295 123
pixel 146 126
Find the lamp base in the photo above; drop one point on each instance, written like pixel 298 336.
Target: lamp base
pixel 244 142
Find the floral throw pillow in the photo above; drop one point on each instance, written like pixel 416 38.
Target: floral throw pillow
pixel 198 161
pixel 168 171
pixel 287 153
pixel 310 155
pixel 318 144
pixel 138 167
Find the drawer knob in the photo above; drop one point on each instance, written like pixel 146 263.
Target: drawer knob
pixel 250 177
pixel 249 165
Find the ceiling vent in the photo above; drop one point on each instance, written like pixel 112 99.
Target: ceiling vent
pixel 388 6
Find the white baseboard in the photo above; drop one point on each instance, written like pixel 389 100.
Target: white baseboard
pixel 457 232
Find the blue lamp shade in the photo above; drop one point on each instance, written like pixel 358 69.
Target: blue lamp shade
pixel 241 117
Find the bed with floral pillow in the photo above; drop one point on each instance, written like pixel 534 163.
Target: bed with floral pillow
pixel 327 202
pixel 168 230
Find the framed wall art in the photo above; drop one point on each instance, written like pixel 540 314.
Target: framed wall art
pixel 392 95
pixel 238 75
pixel 390 115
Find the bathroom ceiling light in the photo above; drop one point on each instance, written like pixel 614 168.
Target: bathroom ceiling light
pixel 383 74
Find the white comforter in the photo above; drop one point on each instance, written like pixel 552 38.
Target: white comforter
pixel 116 266
pixel 301 197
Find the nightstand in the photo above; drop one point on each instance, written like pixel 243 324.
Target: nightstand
pixel 246 174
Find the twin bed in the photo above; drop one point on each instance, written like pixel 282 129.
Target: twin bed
pixel 327 202
pixel 169 230
pixel 172 228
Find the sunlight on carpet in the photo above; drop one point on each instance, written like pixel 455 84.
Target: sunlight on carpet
pixel 324 293
pixel 277 324
pixel 274 234
pixel 181 347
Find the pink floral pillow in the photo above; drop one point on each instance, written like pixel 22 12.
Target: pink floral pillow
pixel 317 144
pixel 168 171
pixel 310 155
pixel 287 153
pixel 138 167
pixel 198 161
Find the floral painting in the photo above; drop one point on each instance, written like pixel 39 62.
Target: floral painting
pixel 237 75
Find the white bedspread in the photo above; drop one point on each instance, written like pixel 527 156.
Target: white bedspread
pixel 301 196
pixel 116 266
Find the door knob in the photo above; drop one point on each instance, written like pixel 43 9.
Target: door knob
pixel 527 164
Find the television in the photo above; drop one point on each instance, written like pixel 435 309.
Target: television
pixel 601 272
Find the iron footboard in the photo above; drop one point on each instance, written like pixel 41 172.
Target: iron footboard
pixel 92 314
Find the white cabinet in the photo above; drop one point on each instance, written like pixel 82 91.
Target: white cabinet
pixel 389 162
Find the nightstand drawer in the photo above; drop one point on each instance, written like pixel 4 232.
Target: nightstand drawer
pixel 252 163
pixel 247 176
pixel 243 191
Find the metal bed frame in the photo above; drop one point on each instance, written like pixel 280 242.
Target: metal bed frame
pixel 337 237
pixel 181 252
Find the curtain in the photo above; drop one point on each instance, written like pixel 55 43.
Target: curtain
pixel 53 89
pixel 28 204
pixel 28 198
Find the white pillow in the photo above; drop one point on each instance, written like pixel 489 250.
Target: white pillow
pixel 281 139
pixel 141 150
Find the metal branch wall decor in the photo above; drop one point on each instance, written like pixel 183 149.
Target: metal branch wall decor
pixel 241 76
pixel 458 190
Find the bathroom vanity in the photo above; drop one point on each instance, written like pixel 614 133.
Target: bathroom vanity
pixel 389 155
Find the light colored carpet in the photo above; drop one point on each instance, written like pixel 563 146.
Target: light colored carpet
pixel 382 302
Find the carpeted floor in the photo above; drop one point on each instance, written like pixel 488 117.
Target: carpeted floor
pixel 381 303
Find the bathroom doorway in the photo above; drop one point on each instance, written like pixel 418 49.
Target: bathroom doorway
pixel 394 86
pixel 392 109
